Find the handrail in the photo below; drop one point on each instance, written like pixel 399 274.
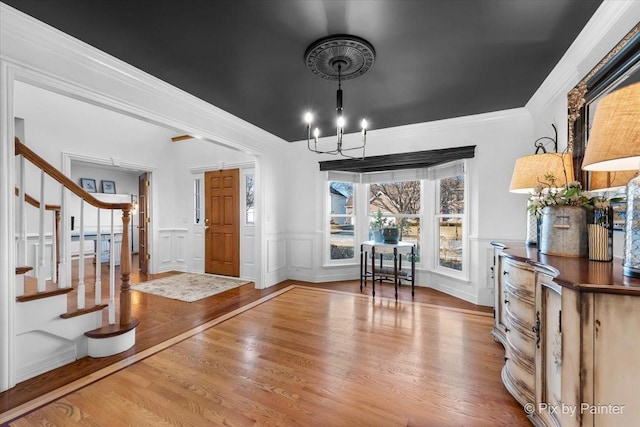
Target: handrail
pixel 64 180
pixel 125 262
pixel 35 203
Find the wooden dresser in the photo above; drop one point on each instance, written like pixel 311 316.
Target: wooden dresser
pixel 571 332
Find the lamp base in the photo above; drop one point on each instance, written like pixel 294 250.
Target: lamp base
pixel 631 258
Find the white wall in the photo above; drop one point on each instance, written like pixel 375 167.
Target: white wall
pixel 499 137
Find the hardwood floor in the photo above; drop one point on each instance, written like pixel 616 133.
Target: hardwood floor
pixel 471 351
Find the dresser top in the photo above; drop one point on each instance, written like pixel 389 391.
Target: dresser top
pixel 577 273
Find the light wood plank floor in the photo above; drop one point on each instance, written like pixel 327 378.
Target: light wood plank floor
pixel 310 356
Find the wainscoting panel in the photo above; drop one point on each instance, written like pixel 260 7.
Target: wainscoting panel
pixel 276 254
pixel 181 248
pixel 197 249
pixel 247 257
pixel 165 248
pixel 172 247
pixel 301 253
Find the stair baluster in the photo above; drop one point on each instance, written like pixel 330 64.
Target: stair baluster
pixel 112 281
pixel 81 287
pixel 41 274
pixel 98 283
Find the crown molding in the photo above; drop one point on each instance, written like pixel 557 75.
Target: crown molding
pixel 84 71
pixel 195 170
pixel 608 25
pixel 109 162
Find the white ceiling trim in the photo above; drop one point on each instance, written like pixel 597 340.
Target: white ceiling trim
pixel 608 25
pixel 163 103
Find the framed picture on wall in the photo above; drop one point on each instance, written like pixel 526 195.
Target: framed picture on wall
pixel 108 187
pixel 88 185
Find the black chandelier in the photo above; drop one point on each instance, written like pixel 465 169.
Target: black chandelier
pixel 338 57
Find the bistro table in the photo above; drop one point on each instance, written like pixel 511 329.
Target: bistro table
pixel 381 272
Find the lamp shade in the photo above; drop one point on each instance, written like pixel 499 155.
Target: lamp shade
pixel 607 181
pixel 530 171
pixel 614 139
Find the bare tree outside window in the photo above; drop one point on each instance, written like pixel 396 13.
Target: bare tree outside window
pixel 249 197
pixel 399 202
pixel 449 219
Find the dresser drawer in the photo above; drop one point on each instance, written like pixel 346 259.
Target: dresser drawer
pixel 519 302
pixel 518 274
pixel 520 380
pixel 523 346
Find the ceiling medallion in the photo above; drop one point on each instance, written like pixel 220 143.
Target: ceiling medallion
pixel 338 57
pixel 354 54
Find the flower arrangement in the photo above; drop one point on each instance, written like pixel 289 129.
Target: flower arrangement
pixel 571 194
pixel 548 194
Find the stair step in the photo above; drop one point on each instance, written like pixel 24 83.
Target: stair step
pixel 112 339
pixel 80 312
pixel 45 294
pixel 39 351
pixel 23 270
pixel 112 330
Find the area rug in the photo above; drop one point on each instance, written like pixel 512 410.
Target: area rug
pixel 189 287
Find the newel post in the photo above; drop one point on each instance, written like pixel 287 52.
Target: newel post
pixel 125 269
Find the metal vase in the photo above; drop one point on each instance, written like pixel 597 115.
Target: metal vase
pixel 563 231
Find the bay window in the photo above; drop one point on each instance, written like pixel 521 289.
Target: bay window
pixel 410 199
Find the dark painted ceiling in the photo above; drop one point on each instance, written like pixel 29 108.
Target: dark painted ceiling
pixel 436 59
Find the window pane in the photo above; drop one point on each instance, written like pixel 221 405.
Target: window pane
pixel 452 195
pixel 196 201
pixel 395 197
pixel 341 194
pixel 341 238
pixel 341 233
pixel 249 197
pixel 411 232
pixel 450 233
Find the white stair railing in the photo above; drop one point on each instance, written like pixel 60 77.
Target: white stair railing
pixel 61 239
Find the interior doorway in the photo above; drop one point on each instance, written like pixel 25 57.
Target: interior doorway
pixel 143 223
pixel 222 222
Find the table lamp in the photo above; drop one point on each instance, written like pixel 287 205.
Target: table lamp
pixel 614 145
pixel 530 171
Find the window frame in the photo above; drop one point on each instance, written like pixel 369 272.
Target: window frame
pixel 420 215
pixel 328 262
pixel 429 206
pixel 243 195
pixel 462 274
pixel 198 200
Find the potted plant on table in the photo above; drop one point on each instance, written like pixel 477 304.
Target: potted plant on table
pixel 376 224
pixel 382 230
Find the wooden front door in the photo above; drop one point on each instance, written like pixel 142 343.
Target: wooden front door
pixel 222 222
pixel 143 222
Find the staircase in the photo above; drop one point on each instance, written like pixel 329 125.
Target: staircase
pixel 55 321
